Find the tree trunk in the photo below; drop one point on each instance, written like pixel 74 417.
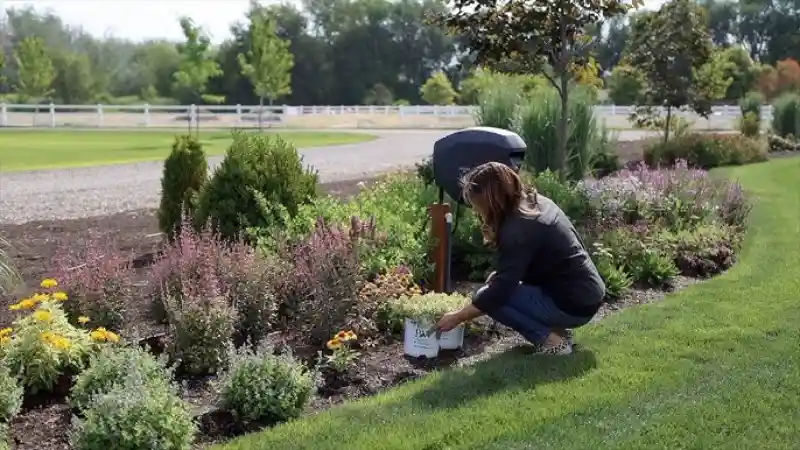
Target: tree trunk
pixel 562 128
pixel 669 119
pixel 260 113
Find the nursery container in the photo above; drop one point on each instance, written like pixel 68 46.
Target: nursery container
pixel 416 341
pixel 453 339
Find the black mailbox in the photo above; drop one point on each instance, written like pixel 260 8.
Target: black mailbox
pixel 456 154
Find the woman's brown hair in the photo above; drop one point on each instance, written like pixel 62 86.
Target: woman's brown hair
pixel 501 193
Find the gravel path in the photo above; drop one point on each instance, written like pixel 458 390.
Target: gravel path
pixel 97 191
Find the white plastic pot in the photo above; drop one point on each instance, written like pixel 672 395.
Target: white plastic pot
pixel 416 341
pixel 453 339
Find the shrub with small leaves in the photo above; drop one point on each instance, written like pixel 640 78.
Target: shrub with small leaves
pixel 10 395
pixel 259 181
pixel 185 173
pixel 110 368
pixel 200 333
pixel 263 387
pixel 706 151
pixel 197 264
pixel 617 281
pixel 98 278
pixel 750 125
pixel 135 415
pixel 636 250
pixel 320 289
pixel 704 251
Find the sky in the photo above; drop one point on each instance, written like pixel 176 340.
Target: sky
pixel 142 19
pixel 147 19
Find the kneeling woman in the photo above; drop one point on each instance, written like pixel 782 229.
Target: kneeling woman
pixel 545 281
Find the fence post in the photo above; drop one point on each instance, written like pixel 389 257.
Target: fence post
pixel 99 116
pixel 3 115
pixel 52 115
pixel 146 114
pixel 238 114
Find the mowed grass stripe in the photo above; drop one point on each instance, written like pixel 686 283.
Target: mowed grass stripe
pixel 42 149
pixel 713 366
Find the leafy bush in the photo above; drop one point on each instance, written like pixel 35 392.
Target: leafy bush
pixel 389 221
pixel 260 181
pixel 424 308
pixel 617 281
pixel 779 144
pixel 200 333
pixel 265 388
pixel 320 290
pixel 111 367
pixel 704 251
pixel 135 415
pixel 44 346
pixel 10 394
pixel 185 173
pixel 198 264
pixel 786 115
pixel 750 120
pixel 631 249
pixel 98 278
pixel 706 151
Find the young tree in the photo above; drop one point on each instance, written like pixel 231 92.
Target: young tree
pixel 625 85
pixel 669 47
pixel 35 71
pixel 438 90
pixel 268 64
pixel 532 34
pixel 197 65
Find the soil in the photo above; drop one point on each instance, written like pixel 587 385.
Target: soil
pixel 44 423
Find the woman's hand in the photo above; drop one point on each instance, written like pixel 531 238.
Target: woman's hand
pixel 449 321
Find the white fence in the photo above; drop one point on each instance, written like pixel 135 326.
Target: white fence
pixel 245 116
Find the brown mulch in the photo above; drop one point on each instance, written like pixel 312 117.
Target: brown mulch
pixel 46 427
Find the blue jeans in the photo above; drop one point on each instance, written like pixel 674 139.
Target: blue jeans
pixel 533 314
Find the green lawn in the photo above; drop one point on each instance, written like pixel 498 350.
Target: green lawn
pixel 41 149
pixel 715 366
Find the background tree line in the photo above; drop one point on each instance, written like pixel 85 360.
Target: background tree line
pixel 348 52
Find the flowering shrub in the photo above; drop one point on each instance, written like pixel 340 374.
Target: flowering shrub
pixel 199 265
pixel 424 308
pixel 98 279
pixel 135 415
pixel 43 345
pixel 633 249
pixel 10 394
pixel 265 388
pixel 342 355
pixel 704 251
pixel 679 197
pixel 110 367
pixel 200 333
pixel 320 289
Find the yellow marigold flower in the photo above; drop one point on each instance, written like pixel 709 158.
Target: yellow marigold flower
pixel 5 332
pixel 28 303
pixel 42 315
pixel 83 319
pixel 60 343
pixel 98 335
pixel 60 296
pixel 47 335
pixel 341 336
pixel 40 297
pixel 49 283
pixel 5 340
pixel 351 336
pixel 334 344
pixel 15 307
pixel 112 337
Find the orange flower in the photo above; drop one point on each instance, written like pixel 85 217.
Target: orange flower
pixel 334 344
pixel 342 335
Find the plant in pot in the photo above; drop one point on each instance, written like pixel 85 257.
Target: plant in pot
pixel 419 314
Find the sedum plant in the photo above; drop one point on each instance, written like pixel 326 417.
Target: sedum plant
pixel 424 308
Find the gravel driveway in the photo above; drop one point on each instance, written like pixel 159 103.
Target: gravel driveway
pixel 97 191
